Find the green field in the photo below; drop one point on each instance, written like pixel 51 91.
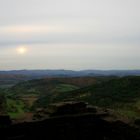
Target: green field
pixel 15 108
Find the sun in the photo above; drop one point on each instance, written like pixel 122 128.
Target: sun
pixel 21 50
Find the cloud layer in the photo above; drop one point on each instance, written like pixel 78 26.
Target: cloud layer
pixel 100 34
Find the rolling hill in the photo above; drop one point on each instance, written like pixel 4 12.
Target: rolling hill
pixel 21 97
pixel 119 94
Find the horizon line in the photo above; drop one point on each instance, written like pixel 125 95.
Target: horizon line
pixel 72 69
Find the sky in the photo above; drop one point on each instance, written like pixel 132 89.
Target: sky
pixel 69 34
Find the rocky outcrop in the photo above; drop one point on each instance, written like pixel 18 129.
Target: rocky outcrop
pixel 72 121
pixel 61 109
pixel 71 127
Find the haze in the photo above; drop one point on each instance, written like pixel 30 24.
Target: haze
pixel 70 34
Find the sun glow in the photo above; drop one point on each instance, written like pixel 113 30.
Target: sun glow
pixel 21 50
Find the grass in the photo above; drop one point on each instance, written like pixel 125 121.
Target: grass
pixel 6 86
pixel 128 113
pixel 65 87
pixel 15 108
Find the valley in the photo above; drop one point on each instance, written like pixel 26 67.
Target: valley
pixel 110 98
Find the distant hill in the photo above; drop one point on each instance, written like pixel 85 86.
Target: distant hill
pixel 8 80
pixel 71 73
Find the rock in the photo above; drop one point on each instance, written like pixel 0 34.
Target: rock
pixel 5 121
pixel 67 108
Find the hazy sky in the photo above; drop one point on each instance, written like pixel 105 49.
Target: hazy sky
pixel 69 34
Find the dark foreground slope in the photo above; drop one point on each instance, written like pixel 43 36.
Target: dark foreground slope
pixel 72 124
pixel 79 127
